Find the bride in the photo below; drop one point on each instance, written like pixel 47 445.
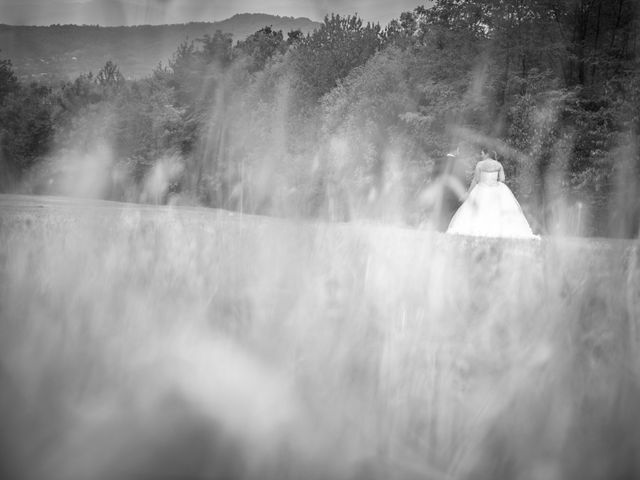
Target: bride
pixel 490 209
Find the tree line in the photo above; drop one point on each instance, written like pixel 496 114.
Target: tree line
pixel 355 120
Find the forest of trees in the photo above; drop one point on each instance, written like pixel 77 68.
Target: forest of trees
pixel 354 121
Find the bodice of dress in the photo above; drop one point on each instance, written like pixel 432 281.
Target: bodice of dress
pixel 489 177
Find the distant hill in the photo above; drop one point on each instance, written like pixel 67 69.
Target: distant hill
pixel 65 51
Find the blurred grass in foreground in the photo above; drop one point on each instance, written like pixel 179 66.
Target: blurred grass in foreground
pixel 149 342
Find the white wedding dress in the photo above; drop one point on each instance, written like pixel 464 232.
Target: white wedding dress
pixel 491 209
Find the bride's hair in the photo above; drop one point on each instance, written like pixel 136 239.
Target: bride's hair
pixel 489 153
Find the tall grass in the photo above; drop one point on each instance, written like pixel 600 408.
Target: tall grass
pixel 149 342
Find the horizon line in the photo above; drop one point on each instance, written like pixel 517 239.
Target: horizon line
pixel 192 22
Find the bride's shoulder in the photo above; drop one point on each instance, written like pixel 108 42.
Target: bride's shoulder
pixel 489 165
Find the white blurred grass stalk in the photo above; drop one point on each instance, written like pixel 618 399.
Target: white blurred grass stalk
pixel 333 350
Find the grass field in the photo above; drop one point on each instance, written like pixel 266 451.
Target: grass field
pixel 141 342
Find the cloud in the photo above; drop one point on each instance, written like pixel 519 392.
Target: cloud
pixel 136 12
pixel 39 12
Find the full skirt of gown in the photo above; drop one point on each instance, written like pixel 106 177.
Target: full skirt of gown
pixel 491 210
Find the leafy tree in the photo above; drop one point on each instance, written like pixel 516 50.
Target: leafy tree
pixel 8 80
pixel 261 46
pixel 109 76
pixel 217 48
pixel 583 41
pixel 371 155
pixel 294 36
pixel 76 95
pixel 600 37
pixel 442 64
pixel 184 73
pixel 328 54
pixel 408 29
pixel 26 130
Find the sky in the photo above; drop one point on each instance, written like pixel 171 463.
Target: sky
pixel 137 12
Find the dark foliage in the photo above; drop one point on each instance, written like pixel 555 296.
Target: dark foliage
pixel 339 119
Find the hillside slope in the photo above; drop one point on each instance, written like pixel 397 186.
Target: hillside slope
pixel 68 50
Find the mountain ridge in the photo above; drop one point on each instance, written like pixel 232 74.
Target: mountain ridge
pixel 64 51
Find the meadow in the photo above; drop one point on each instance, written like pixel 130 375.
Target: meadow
pixel 141 342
